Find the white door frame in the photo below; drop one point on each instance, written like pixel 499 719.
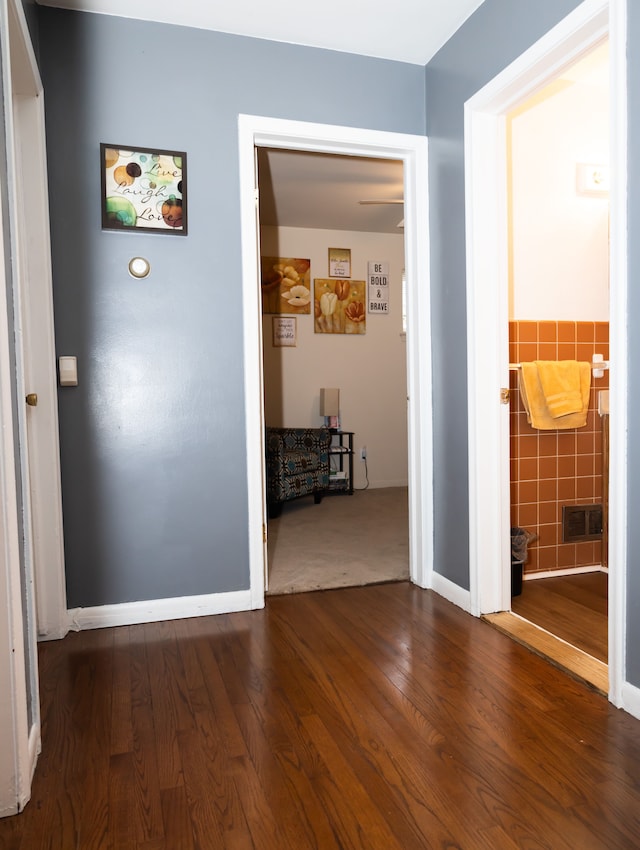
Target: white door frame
pixel 19 744
pixel 35 347
pixel 256 131
pixel 26 279
pixel 487 310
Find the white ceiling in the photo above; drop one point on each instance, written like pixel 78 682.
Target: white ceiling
pixel 404 30
pixel 323 191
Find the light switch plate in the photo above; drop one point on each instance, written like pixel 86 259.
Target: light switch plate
pixel 68 370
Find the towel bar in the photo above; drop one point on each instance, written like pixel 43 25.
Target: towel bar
pixel 597 366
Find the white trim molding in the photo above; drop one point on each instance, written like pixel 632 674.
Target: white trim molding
pixel 35 346
pixel 569 571
pixel 618 563
pixel 40 369
pixel 487 303
pixel 155 610
pixel 630 699
pixel 451 591
pixel 256 131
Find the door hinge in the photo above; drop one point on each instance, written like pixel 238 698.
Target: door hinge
pixel 505 395
pixel 264 532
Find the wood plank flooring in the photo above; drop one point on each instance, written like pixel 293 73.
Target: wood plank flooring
pixel 378 717
pixel 573 661
pixel 564 619
pixel 572 607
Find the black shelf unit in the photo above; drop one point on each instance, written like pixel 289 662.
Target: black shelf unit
pixel 341 460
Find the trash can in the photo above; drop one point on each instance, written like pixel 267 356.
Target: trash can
pixel 520 539
pixel 516 577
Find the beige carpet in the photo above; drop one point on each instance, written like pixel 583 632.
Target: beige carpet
pixel 344 541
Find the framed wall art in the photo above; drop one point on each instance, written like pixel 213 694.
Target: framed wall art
pixel 284 332
pixel 286 286
pixel 143 189
pixel 339 306
pixel 339 262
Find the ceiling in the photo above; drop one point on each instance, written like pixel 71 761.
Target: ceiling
pixel 323 191
pixel 405 30
pixel 314 190
pixel 301 189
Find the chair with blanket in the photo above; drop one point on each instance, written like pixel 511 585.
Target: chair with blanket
pixel 297 465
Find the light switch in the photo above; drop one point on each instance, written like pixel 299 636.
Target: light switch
pixel 68 369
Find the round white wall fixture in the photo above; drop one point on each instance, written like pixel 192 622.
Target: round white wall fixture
pixel 139 267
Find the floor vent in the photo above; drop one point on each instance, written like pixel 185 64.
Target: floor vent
pixel 581 522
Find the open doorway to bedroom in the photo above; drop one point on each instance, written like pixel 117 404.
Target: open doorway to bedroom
pixel 255 132
pixel 323 329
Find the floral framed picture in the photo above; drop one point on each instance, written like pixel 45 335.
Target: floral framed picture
pixel 339 306
pixel 286 285
pixel 143 189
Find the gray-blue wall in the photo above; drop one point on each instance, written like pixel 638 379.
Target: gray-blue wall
pixel 496 34
pixel 31 15
pixel 152 440
pixel 491 38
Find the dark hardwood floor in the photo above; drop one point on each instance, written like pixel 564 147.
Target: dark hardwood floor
pixel 378 717
pixel 573 608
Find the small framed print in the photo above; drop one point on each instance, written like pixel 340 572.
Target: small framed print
pixel 143 189
pixel 339 262
pixel 284 332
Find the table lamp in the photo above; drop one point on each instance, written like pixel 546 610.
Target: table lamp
pixel 330 407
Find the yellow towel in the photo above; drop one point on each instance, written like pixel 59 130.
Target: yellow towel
pixel 560 382
pixel 535 402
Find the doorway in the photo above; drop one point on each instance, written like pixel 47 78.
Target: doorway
pixel 31 515
pixel 558 155
pixel 255 132
pixel 487 280
pixel 358 533
pixel 35 346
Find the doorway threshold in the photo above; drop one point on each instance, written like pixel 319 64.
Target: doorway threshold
pixel 558 652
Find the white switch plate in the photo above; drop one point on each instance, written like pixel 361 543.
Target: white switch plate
pixel 68 370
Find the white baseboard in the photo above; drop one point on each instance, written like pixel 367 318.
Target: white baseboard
pixel 59 632
pixel 631 699
pixel 35 748
pixel 453 592
pixel 381 484
pixel 154 610
pixel 568 571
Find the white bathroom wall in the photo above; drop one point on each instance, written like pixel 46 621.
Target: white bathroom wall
pixel 560 237
pixel 369 369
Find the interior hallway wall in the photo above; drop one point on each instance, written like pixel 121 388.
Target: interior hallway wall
pixel 153 438
pixel 559 234
pixel 370 370
pixel 496 34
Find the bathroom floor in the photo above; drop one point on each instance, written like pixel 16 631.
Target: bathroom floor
pixel 573 608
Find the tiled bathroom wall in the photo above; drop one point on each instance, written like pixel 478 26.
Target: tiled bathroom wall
pixel 550 469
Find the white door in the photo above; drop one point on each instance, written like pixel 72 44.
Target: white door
pixel 30 516
pixel 35 354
